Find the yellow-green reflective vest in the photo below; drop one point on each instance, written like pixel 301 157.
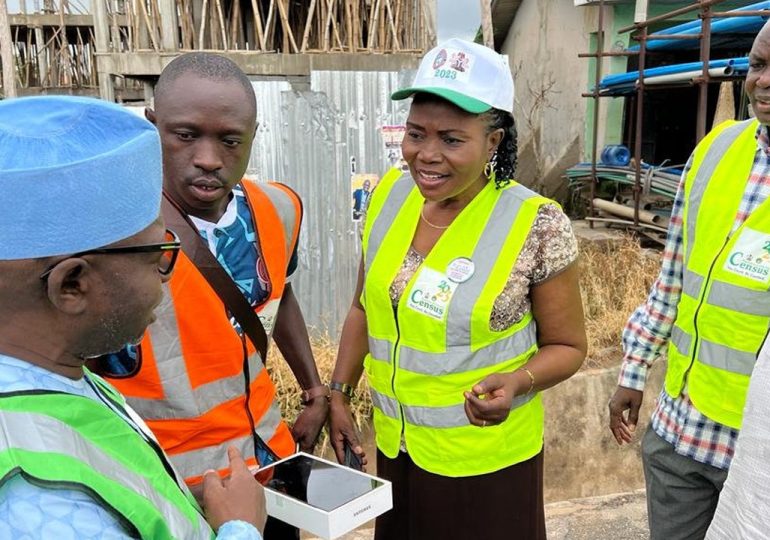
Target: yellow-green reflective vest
pixel 438 343
pixel 61 439
pixel 724 309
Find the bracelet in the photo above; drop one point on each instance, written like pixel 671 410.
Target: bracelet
pixel 317 391
pixel 344 388
pixel 531 379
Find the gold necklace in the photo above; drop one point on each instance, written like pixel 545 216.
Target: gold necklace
pixel 428 223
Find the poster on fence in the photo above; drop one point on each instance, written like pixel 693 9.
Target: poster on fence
pixel 361 186
pixel 392 137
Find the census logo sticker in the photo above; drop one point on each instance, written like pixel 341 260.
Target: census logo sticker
pixel 440 59
pixel 750 256
pixel 453 64
pixel 431 294
pixel 460 270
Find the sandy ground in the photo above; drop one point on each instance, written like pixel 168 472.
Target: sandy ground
pixel 609 517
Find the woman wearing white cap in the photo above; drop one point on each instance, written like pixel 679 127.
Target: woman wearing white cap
pixel 467 306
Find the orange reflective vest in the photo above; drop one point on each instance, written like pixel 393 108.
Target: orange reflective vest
pixel 203 387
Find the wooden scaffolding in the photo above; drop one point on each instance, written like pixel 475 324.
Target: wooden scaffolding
pixel 108 47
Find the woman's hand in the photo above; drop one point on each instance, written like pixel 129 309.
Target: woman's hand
pixel 489 402
pixel 342 430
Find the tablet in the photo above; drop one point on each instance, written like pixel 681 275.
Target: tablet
pixel 318 483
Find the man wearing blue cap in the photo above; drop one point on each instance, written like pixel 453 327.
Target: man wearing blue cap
pixel 83 255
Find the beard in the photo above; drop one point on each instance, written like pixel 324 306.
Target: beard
pixel 111 335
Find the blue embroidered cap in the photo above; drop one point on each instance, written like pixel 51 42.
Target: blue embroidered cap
pixel 75 174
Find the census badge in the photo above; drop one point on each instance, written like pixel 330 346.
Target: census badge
pixel 431 293
pixel 460 270
pixel 750 256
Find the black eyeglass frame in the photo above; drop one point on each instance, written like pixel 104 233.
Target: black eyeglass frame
pixel 174 246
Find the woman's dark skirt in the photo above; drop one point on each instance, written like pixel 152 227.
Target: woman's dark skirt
pixel 506 504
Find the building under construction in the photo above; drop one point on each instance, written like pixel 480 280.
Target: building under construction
pixel 116 48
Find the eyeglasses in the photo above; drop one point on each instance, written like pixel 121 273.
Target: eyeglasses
pixel 169 249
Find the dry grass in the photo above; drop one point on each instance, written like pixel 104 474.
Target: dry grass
pixel 615 279
pixel 288 391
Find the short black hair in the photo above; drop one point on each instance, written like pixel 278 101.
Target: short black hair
pixel 206 65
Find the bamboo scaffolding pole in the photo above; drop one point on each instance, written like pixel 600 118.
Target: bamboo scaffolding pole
pixel 357 34
pixel 269 25
pixel 146 17
pixel 327 24
pixel 397 19
pixel 221 20
pixel 308 22
pixel 260 43
pixel 286 26
pixel 202 31
pixel 335 27
pixel 64 46
pixel 395 46
pixel 236 26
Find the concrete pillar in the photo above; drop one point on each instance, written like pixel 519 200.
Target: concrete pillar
pixel 102 40
pixel 486 24
pixel 169 25
pixel 42 55
pixel 149 94
pixel 6 53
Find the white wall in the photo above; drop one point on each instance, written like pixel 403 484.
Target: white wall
pixel 543 45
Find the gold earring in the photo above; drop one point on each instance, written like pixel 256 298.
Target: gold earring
pixel 489 168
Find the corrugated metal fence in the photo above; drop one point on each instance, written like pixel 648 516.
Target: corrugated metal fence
pixel 308 140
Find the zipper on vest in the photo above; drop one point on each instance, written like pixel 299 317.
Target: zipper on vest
pixel 701 301
pixel 393 377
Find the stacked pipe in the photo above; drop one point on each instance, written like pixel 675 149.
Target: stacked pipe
pixel 660 181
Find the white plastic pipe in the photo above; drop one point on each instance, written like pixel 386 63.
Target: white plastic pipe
pixel 686 76
pixel 625 211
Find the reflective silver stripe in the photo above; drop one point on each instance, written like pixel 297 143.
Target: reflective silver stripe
pixel 69 442
pixel 485 255
pixel 387 405
pixel 180 400
pixel 739 299
pixel 285 209
pixel 711 160
pixel 681 340
pixel 722 357
pixel 461 358
pixel 380 349
pixel 196 462
pixel 691 283
pixel 396 198
pixel 449 417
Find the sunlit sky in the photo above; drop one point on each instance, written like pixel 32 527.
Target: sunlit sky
pixel 458 18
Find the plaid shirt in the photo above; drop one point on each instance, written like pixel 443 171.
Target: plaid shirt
pixel 646 335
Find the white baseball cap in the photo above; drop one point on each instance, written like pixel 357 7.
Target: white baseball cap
pixel 472 76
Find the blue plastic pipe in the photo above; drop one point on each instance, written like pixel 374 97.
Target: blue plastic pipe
pixel 631 76
pixel 625 83
pixel 732 25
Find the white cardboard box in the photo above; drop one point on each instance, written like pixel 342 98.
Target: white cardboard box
pixel 339 499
